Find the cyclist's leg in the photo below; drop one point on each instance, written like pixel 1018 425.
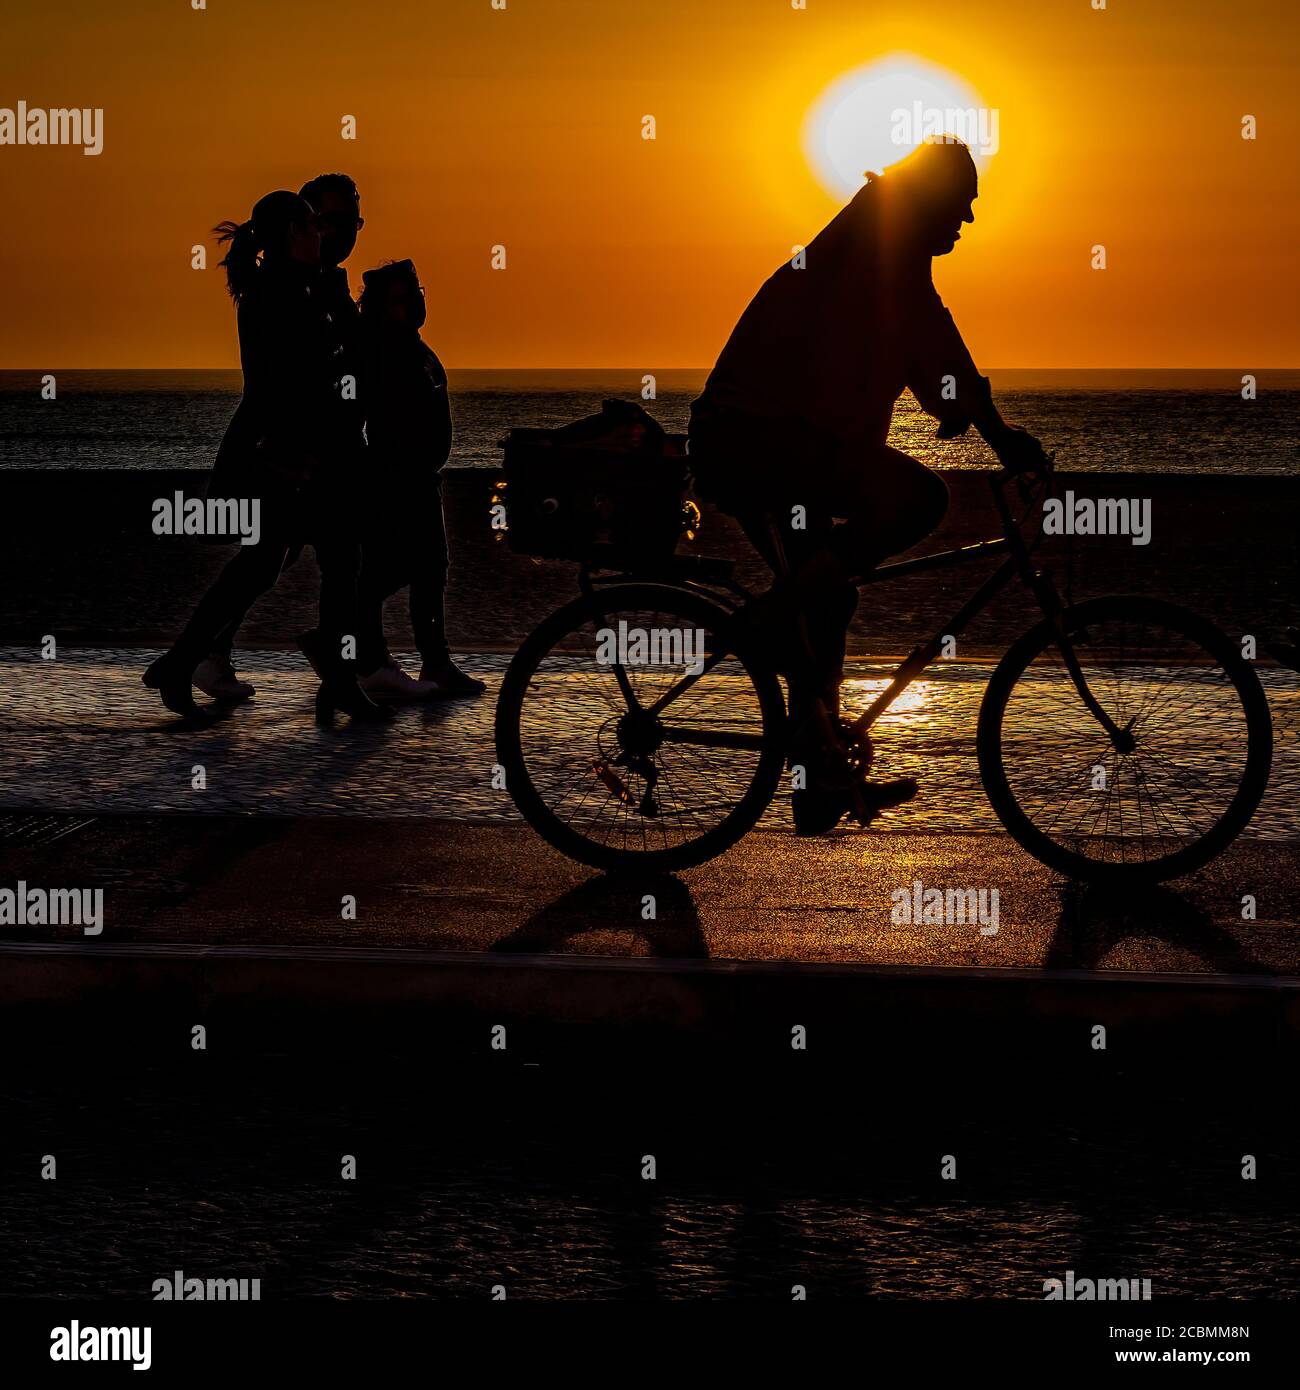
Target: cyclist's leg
pixel 888 502
pixel 780 479
pixel 786 490
pixel 805 618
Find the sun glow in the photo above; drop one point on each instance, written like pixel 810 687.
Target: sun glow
pixel 871 117
pixel 858 692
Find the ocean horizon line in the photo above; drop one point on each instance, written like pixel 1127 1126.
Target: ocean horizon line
pixel 451 367
pixel 1194 419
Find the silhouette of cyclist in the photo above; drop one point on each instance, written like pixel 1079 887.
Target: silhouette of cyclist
pixel 789 433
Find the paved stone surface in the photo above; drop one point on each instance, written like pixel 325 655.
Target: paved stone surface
pixel 82 734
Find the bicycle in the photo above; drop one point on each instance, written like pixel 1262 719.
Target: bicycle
pixel 1120 738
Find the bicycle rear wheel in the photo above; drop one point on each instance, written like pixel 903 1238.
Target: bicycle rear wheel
pixel 1202 742
pixel 660 781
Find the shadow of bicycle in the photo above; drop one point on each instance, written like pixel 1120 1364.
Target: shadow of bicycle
pixel 623 902
pixel 1094 920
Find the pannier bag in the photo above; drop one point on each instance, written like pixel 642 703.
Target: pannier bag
pixel 611 480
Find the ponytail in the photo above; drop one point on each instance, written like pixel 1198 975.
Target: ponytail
pixel 266 233
pixel 240 260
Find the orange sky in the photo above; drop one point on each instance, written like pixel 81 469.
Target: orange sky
pixel 522 127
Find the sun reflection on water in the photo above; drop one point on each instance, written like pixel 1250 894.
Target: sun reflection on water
pixel 857 693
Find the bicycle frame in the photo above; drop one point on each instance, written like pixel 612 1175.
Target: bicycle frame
pixel 1017 565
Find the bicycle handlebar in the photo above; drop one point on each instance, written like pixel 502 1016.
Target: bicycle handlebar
pixel 1026 479
pixel 1031 483
pixel 1005 475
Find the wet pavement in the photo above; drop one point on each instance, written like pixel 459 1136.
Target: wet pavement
pixel 83 735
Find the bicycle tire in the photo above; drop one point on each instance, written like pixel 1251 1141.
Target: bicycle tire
pixel 546 639
pixel 1075 620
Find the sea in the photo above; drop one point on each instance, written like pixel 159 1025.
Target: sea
pixel 1192 421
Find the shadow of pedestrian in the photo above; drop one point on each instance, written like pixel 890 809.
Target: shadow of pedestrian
pixel 209 717
pixel 620 902
pixel 1094 919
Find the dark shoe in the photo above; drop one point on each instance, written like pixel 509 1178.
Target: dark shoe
pixel 171 677
pixel 826 797
pixel 215 676
pixel 818 809
pixel 345 695
pixel 870 798
pixel 450 679
pixel 338 686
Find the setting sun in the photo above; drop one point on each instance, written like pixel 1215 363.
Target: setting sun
pixel 871 117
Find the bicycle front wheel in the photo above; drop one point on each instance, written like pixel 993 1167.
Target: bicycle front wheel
pixel 634 734
pixel 1201 742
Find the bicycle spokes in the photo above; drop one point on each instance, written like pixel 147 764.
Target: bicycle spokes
pixel 1148 772
pixel 640 733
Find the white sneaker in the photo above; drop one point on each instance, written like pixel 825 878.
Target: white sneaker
pixel 390 682
pixel 215 676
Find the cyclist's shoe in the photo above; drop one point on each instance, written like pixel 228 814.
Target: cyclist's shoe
pixel 820 809
pixel 870 798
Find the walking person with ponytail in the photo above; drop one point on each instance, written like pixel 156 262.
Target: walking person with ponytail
pixel 293 446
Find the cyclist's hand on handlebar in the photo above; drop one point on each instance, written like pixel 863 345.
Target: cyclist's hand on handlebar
pixel 1019 452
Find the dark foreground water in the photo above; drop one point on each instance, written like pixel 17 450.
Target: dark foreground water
pixel 466 1179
